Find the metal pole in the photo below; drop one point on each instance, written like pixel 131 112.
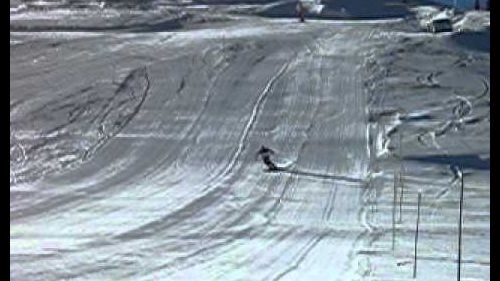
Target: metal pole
pixel 374 200
pixel 416 234
pixel 401 195
pixel 400 145
pixel 394 214
pixel 460 223
pixel 400 176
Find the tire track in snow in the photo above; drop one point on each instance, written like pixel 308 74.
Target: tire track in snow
pixel 301 257
pixel 290 180
pixel 205 107
pixel 251 121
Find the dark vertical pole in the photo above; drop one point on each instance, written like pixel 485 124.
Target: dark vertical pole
pixel 400 145
pixel 400 176
pixel 394 214
pixel 373 200
pixel 460 223
pixel 401 195
pixel 416 235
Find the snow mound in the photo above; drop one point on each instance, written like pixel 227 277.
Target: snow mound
pixel 422 12
pixel 446 14
pixel 426 13
pixel 473 21
pixel 313 6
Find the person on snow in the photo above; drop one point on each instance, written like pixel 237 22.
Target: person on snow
pixel 301 10
pixel 265 153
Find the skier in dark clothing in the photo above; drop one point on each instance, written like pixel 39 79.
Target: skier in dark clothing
pixel 266 153
pixel 300 10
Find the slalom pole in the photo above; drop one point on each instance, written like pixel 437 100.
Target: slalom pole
pixel 416 235
pixel 401 183
pixel 394 214
pixel 460 223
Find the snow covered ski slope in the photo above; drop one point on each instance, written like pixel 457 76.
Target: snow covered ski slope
pixel 133 155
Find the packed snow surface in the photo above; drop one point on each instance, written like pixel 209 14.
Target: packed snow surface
pixel 133 136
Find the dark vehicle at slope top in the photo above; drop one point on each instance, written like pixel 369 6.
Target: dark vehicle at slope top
pixel 439 25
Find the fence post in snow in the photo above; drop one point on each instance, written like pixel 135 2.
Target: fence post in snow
pixel 400 145
pixel 223 42
pixel 401 183
pixel 373 201
pixel 416 235
pixel 394 213
pixel 460 223
pixel 400 179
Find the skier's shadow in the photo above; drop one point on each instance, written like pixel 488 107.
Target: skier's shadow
pixel 320 176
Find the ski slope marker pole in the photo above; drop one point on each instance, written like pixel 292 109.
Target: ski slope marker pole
pixel 394 214
pixel 460 223
pixel 416 234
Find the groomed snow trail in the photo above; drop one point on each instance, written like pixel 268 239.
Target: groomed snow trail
pixel 176 194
